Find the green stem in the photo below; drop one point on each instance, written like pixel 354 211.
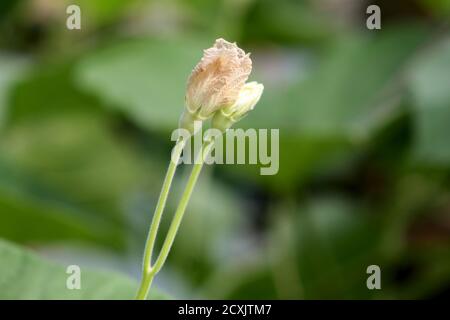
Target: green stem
pixel 150 243
pixel 176 221
pixel 173 229
pixel 144 287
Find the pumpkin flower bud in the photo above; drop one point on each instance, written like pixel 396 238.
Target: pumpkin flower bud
pixel 215 82
pixel 248 97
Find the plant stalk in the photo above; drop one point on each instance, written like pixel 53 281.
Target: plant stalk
pixel 150 271
pixel 150 243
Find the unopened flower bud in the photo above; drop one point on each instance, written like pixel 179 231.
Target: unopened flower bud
pixel 216 81
pixel 248 97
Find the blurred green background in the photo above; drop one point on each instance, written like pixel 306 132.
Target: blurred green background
pixel 364 119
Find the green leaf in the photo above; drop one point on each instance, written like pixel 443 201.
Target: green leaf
pixel 65 174
pixel 72 163
pixel 30 97
pixel 23 275
pixel 431 97
pixel 33 212
pixel 145 79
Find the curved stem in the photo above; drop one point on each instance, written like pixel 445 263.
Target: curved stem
pixel 179 213
pixel 150 243
pixel 176 221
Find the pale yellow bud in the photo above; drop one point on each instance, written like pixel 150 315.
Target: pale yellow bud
pixel 217 79
pixel 248 97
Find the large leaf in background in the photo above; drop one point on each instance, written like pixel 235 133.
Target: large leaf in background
pixel 23 275
pixel 145 79
pixel 431 97
pixel 350 96
pixel 31 212
pixel 78 157
pixel 67 149
pixel 47 90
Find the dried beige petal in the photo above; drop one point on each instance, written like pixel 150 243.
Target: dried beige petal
pixel 217 79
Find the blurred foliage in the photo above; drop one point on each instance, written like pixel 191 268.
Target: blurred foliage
pixel 29 277
pixel 364 118
pixel 155 72
pixel 429 86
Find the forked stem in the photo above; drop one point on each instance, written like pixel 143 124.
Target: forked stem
pixel 150 243
pixel 150 271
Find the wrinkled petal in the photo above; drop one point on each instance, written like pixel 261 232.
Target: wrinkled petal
pixel 217 79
